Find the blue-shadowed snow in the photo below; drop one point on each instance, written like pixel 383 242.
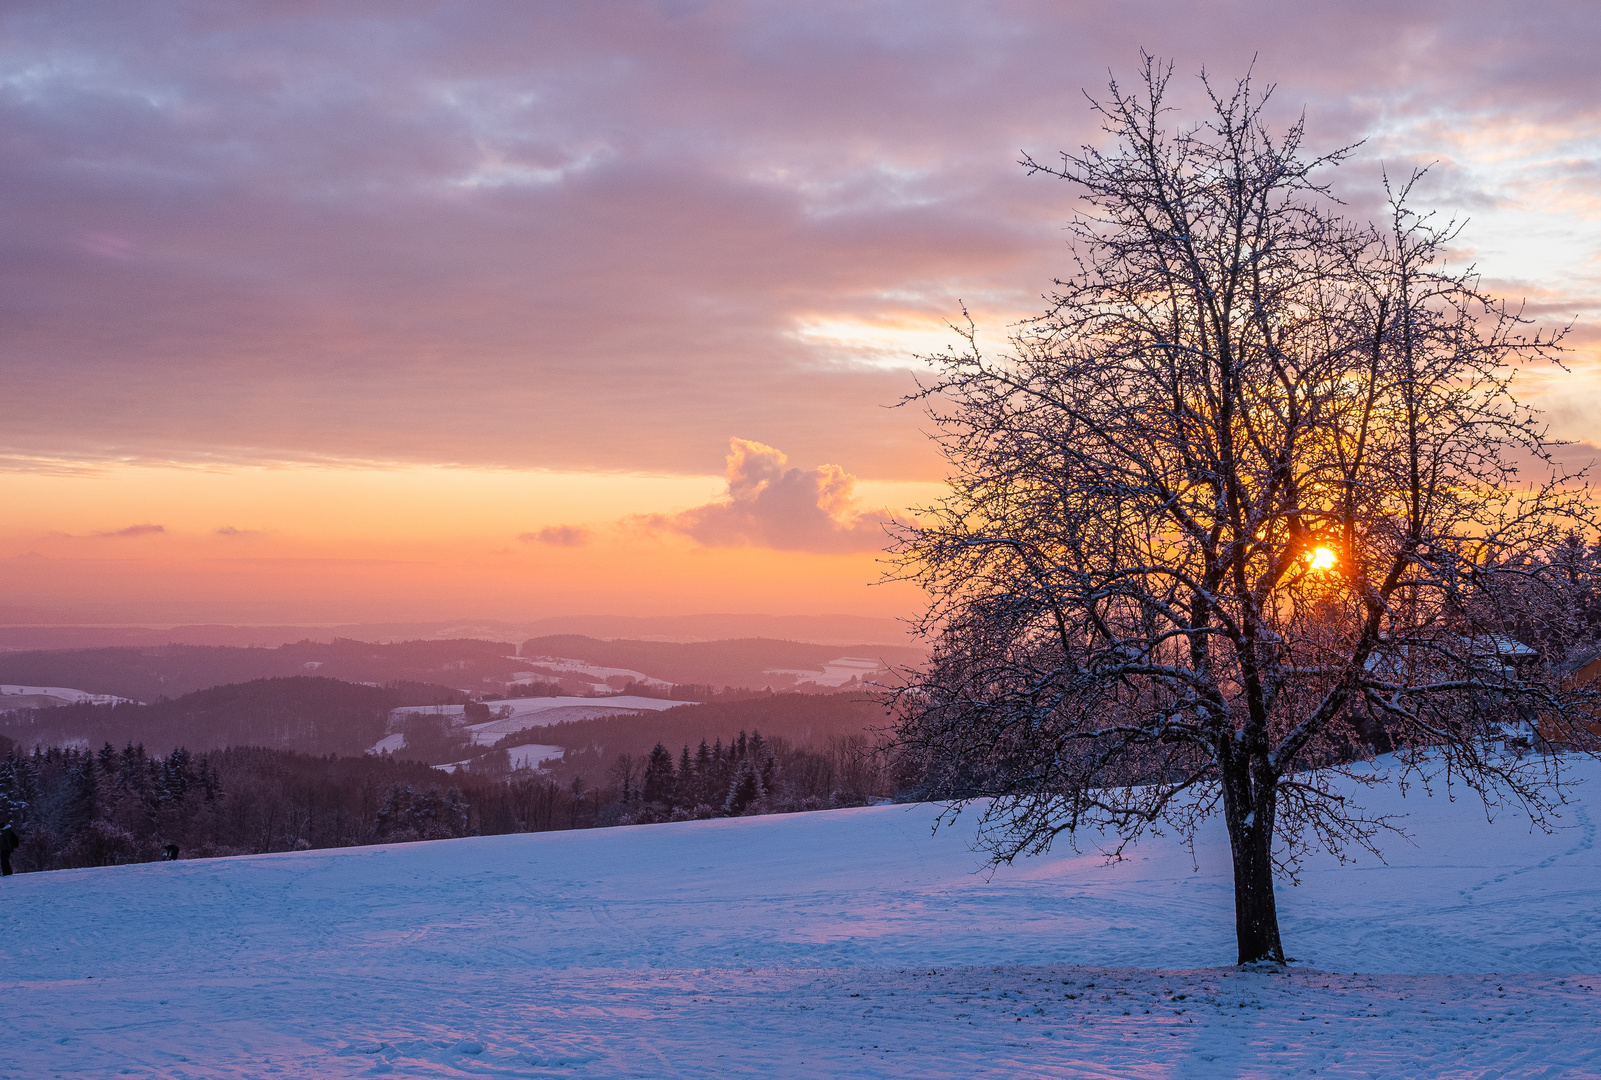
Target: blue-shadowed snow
pixel 843 943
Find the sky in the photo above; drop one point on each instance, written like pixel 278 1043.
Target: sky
pixel 410 310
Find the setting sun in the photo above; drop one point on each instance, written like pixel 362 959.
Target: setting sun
pixel 1321 558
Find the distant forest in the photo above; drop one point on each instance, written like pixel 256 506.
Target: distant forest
pixel 75 807
pixel 304 713
pixel 152 673
pixel 314 715
pixel 279 764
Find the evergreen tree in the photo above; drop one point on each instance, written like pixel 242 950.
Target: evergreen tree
pixel 657 786
pixel 684 788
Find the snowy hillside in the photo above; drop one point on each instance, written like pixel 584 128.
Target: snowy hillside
pixel 516 714
pixel 14 696
pixel 849 943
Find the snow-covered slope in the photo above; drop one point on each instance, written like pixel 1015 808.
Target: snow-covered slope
pixel 522 713
pixel 14 696
pixel 845 943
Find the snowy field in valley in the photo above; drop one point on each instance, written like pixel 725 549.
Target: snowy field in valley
pixel 14 696
pixel 560 665
pixel 835 673
pixel 849 943
pixel 522 713
pixel 526 756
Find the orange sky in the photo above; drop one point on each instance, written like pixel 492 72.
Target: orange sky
pixel 582 309
pixel 337 544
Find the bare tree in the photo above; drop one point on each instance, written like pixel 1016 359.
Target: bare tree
pixel 1237 511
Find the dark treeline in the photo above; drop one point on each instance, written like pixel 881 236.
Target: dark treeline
pixel 801 719
pixel 75 807
pixel 751 775
pixel 305 713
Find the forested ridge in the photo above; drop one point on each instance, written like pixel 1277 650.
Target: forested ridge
pixel 306 713
pixel 75 807
pixel 279 764
pixel 154 672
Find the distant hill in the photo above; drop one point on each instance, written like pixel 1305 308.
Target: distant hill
pixel 823 629
pixel 17 635
pixel 304 713
pixel 741 662
pixel 152 672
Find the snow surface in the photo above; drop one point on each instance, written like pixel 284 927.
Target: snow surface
pixel 835 673
pixel 526 713
pixel 849 943
pixel 532 755
pixel 526 756
pixel 596 672
pixel 15 696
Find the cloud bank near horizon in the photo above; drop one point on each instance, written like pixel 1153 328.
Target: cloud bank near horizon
pixel 580 236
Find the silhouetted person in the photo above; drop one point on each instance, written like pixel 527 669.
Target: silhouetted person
pixel 9 842
pixel 169 853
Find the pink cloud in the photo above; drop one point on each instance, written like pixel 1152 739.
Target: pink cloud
pixel 774 506
pixel 108 245
pixel 134 530
pixel 558 536
pixel 396 232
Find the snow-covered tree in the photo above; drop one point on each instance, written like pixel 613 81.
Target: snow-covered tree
pixel 1244 496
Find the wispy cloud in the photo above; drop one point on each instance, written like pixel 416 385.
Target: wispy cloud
pixel 558 536
pixel 133 530
pixel 771 505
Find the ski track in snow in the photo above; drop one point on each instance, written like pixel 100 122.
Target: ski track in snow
pixel 849 943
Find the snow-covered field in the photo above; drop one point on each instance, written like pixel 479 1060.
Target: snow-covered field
pixel 598 673
pixel 522 713
pixel 532 755
pixel 15 696
pixel 849 943
pixel 835 673
pixel 526 756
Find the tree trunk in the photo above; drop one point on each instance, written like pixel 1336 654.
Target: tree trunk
pixel 1250 824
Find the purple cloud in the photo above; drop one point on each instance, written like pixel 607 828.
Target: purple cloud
pixel 133 530
pixel 770 505
pixel 558 536
pixel 397 232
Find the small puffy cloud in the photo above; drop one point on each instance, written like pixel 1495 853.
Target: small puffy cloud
pixel 229 530
pixel 771 505
pixel 134 530
pixel 558 536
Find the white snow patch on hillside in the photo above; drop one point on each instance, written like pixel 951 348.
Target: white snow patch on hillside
pixel 15 696
pixel 835 673
pixel 597 673
pixel 527 756
pixel 389 744
pixel 849 943
pixel 516 714
pixel 533 755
